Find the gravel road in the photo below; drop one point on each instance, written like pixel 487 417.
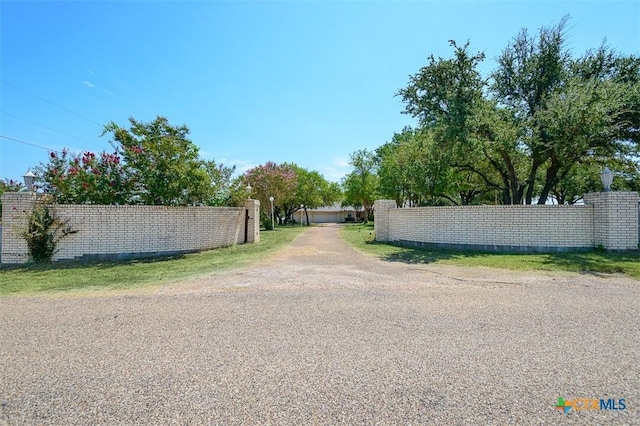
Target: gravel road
pixel 320 334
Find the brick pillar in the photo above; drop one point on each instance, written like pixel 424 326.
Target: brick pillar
pixel 15 208
pixel 615 219
pixel 253 227
pixel 381 218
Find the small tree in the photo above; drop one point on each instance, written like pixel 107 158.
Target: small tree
pixel 361 185
pixel 43 231
pixel 273 180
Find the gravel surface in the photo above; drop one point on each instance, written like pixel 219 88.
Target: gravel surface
pixel 320 334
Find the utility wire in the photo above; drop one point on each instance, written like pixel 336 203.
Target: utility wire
pixel 46 127
pixel 49 102
pixel 28 143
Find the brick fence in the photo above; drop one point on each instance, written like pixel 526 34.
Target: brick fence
pixel 108 232
pixel 608 220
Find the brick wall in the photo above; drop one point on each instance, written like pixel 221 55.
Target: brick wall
pixel 615 219
pixel 609 220
pixel 15 206
pixel 130 231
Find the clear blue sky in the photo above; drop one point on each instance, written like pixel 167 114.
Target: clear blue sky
pixel 303 82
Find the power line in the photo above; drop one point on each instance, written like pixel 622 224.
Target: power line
pixel 45 127
pixel 50 102
pixel 28 143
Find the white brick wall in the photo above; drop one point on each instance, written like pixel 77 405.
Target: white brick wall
pixel 14 215
pixel 116 231
pixel 608 219
pixel 615 219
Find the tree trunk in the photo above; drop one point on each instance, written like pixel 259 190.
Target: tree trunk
pixel 306 213
pixel 552 173
pixel 532 179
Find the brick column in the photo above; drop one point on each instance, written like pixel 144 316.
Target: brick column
pixel 253 227
pixel 615 219
pixel 381 218
pixel 15 208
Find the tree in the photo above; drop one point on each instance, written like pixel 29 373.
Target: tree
pixel 279 181
pixel 570 109
pixel 314 190
pixel 85 178
pixel 411 170
pixel 162 162
pixel 541 114
pixel 221 182
pixel 152 163
pixel 474 143
pixel 361 185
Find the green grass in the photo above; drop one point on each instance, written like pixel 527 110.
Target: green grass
pixel 362 238
pixel 69 277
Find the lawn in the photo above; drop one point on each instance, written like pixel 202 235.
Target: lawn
pixel 53 278
pixel 362 238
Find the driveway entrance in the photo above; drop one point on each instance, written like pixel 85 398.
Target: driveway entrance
pixel 320 334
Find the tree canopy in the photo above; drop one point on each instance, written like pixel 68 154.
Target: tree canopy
pixel 290 185
pixel 152 163
pixel 361 185
pixel 541 124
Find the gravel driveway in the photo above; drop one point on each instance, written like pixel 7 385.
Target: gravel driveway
pixel 320 334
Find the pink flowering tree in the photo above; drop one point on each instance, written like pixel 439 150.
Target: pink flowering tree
pixel 279 181
pixel 85 178
pixel 153 163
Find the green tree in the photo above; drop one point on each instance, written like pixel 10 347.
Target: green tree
pixel 162 162
pixel 221 178
pixel 412 170
pixel 475 145
pixel 314 190
pixel 571 109
pixel 361 185
pixel 541 114
pixel 152 163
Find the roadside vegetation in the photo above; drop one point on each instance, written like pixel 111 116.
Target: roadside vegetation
pixel 361 237
pixel 36 279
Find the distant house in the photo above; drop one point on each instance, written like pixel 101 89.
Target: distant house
pixel 331 214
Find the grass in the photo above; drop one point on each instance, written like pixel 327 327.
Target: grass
pixel 65 277
pixel 362 238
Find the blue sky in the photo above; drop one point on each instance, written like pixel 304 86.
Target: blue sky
pixel 303 82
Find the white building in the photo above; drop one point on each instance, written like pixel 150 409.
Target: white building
pixel 330 214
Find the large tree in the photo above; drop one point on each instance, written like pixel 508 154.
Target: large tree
pixel 541 114
pixel 573 110
pixel 152 163
pixel 162 161
pixel 411 170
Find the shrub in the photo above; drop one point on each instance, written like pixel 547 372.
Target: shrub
pixel 43 231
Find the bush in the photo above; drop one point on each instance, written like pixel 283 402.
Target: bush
pixel 43 232
pixel 267 224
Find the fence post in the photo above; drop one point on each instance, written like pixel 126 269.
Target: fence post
pixel 381 218
pixel 253 221
pixel 615 219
